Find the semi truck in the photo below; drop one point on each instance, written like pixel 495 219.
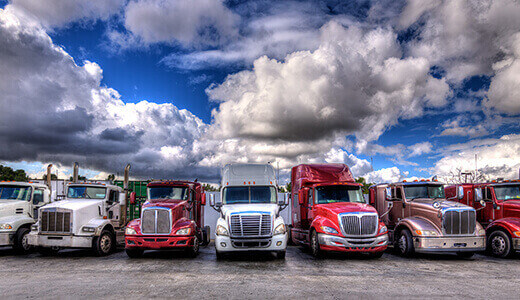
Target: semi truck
pixel 171 218
pixel 498 209
pixel 91 216
pixel 19 204
pixel 329 212
pixel 420 219
pixel 249 211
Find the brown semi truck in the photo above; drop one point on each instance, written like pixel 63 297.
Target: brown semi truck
pixel 420 219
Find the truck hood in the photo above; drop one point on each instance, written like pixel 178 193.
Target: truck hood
pixel 345 207
pixel 270 208
pixel 74 204
pixel 8 207
pixel 443 204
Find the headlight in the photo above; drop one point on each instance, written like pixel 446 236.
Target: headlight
pixel 383 230
pixel 426 232
pixel 221 231
pixel 34 227
pixel 130 231
pixel 6 226
pixel 88 229
pixel 183 231
pixel 328 229
pixel 482 231
pixel 280 229
pixel 516 233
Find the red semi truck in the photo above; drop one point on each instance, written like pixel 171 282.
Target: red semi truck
pixel 329 212
pixel 171 218
pixel 498 209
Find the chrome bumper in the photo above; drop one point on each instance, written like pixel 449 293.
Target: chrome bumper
pixel 275 243
pixel 451 244
pixel 6 239
pixel 337 241
pixel 61 241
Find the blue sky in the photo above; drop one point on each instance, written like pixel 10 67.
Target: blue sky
pixel 179 88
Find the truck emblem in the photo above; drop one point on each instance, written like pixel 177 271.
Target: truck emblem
pixel 436 204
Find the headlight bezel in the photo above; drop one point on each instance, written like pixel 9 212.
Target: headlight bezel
pixel 383 229
pixel 130 231
pixel 426 232
pixel 221 230
pixel 6 226
pixel 280 229
pixel 183 231
pixel 88 229
pixel 328 230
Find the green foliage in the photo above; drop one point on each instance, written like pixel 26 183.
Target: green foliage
pixel 53 177
pixel 366 185
pixel 80 178
pixel 285 189
pixel 8 174
pixel 210 188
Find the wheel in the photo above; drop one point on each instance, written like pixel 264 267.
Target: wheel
pixel 499 244
pixel 404 243
pixel 315 244
pixel 134 252
pixel 104 244
pixel 375 255
pixel 48 251
pixel 280 254
pixel 194 251
pixel 465 254
pixel 21 244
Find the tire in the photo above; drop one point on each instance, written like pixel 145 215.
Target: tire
pixel 280 254
pixel 134 253
pixel 466 255
pixel 104 244
pixel 376 255
pixel 206 236
pixel 404 243
pixel 47 251
pixel 499 244
pixel 315 245
pixel 194 251
pixel 20 242
pixel 220 255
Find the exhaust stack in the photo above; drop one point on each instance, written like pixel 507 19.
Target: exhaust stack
pixel 75 171
pixel 127 194
pixel 49 167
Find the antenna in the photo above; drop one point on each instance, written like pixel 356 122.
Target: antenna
pixel 476 167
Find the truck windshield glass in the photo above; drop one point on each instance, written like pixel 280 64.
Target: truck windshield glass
pixel 338 193
pixel 249 194
pixel 423 191
pixel 22 193
pixel 507 192
pixel 168 192
pixel 84 192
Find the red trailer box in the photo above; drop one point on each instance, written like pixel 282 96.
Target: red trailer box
pixel 171 218
pixel 498 210
pixel 329 212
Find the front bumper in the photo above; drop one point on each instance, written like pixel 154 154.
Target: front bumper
pixel 6 239
pixel 158 242
pixel 61 241
pixel 516 244
pixel 338 243
pixel 275 243
pixel 451 244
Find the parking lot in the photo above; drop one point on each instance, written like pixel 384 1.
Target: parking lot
pixel 76 273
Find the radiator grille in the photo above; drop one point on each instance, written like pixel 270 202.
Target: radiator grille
pixel 56 222
pixel 459 221
pixel 250 225
pixel 156 221
pixel 359 224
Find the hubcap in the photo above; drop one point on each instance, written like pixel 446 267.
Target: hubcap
pixel 498 244
pixel 25 244
pixel 402 243
pixel 105 243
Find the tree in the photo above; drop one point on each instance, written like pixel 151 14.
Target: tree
pixel 7 173
pixel 111 177
pixel 209 188
pixel 365 186
pixel 80 178
pixel 53 177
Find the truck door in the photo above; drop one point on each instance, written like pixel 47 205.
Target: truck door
pixel 37 202
pixel 306 209
pixel 396 213
pixel 487 214
pixel 114 208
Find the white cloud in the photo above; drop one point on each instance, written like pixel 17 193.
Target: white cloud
pixel 462 126
pixel 420 149
pixel 387 175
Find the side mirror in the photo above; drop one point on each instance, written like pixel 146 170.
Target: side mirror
pixel 132 198
pixel 388 194
pixel 460 192
pixel 284 201
pixel 203 200
pixel 478 195
pixel 212 200
pixel 483 203
pixel 286 198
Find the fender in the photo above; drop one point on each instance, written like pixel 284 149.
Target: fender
pixel 509 224
pixel 18 221
pixel 417 223
pixel 183 223
pixel 100 224
pixel 322 221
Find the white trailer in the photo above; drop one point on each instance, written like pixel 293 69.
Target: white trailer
pixel 249 210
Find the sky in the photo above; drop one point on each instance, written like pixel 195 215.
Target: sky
pixel 395 89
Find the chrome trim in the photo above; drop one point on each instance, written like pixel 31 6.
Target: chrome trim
pixel 458 209
pixel 233 227
pixel 234 241
pixel 155 208
pixel 441 244
pixel 55 211
pixel 330 240
pixel 359 215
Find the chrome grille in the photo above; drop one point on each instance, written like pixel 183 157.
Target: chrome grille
pixel 250 225
pixel 359 224
pixel 156 221
pixel 55 222
pixel 459 221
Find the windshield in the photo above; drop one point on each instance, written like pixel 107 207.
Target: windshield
pixel 507 192
pixel 84 192
pixel 168 192
pixel 249 194
pixel 338 193
pixel 22 193
pixel 424 191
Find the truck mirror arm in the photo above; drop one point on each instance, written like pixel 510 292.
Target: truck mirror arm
pixel 390 206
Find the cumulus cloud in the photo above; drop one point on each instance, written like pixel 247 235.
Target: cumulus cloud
pixel 463 126
pixel 386 175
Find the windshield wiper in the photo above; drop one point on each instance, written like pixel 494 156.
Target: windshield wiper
pixel 85 194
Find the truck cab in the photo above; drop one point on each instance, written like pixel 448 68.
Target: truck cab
pixel 249 211
pixel 19 204
pixel 91 216
pixel 329 212
pixel 171 218
pixel 420 219
pixel 498 209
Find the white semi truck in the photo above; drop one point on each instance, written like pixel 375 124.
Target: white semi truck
pixel 92 215
pixel 19 204
pixel 249 211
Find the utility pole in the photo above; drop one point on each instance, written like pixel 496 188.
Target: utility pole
pixel 476 168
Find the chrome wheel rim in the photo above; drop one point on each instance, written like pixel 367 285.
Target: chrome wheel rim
pixel 105 243
pixel 402 243
pixel 25 243
pixel 498 244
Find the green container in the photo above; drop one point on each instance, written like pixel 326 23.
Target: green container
pixel 139 187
